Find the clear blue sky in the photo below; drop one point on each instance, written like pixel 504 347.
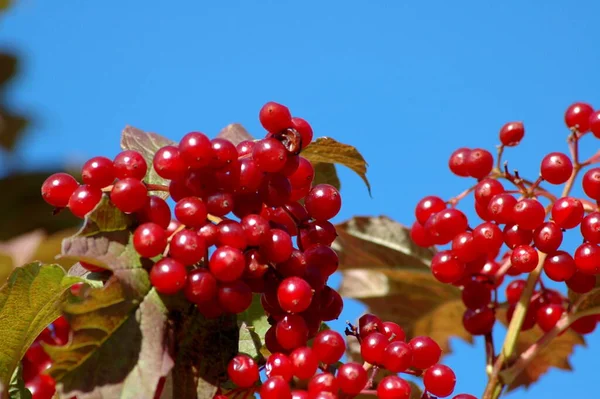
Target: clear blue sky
pixel 405 82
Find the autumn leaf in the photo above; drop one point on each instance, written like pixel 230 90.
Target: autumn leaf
pixel 585 301
pixel 235 133
pixel 253 325
pixel 328 150
pixel 326 173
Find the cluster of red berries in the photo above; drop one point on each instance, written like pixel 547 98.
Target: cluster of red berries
pixel 317 368
pixel 517 231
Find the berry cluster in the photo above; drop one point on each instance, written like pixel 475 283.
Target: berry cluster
pixel 318 369
pixel 521 230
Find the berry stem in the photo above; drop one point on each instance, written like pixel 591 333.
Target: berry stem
pixel 499 156
pixel 454 201
pixel 490 353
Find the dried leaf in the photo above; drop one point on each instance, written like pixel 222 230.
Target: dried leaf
pixel 235 133
pixel 29 301
pixel 328 150
pixel 146 144
pixel 326 173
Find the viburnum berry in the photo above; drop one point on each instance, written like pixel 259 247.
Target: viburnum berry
pixel 275 117
pixel 98 172
pixel 590 227
pixel 303 175
pixel 129 195
pixel 501 208
pixel 234 297
pixel 446 268
pixel 292 332
pixel 331 304
pixel 299 394
pixel 42 386
pixel 428 206
pixel 512 133
pixel 372 348
pixel 439 380
pixel 479 321
pixel 130 164
pixel 304 362
pixel 58 188
pixel 278 246
pixel 352 378
pixel 515 235
pixel 529 213
pixel 279 364
pixel 219 204
pixel 446 224
pixel 393 387
pixel 191 211
pixel 426 352
pixel 294 295
pixel 548 315
pixel 201 286
pixel 556 168
pixel 223 153
pixel 323 202
pixel 274 388
pixel 397 356
pixel 368 324
pixel 488 238
pixel 591 183
pixel 420 236
pixel 393 331
pixel 195 149
pixel 231 233
pixel 581 282
pixel 479 163
pixel 156 210
pixel 548 237
pixel 594 123
pixel 514 291
pixel 269 155
pixel 464 396
pixel 559 266
pixel 227 263
pixel 476 294
pixel 587 258
pixel 524 258
pixel 149 240
pixel 84 199
pixel 486 189
pixel 243 371
pixel 187 247
pixel 168 276
pixel 323 257
pixel 585 325
pixel 578 116
pixel 567 212
pixel 168 163
pixel 305 130
pixel 464 247
pixel 458 162
pixel 329 346
pixel 323 382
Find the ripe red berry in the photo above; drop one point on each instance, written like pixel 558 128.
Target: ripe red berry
pixel 294 295
pixel 486 189
pixel 131 164
pixel 270 155
pixel 168 276
pixel 585 325
pixel 232 234
pixel 303 175
pixel 292 332
pixel 556 168
pixel 458 162
pixel 591 183
pixel 243 371
pixel 559 266
pixel 278 247
pixel 594 123
pixel 98 172
pixel 275 388
pixel 488 238
pixel 420 236
pixel 501 208
pixel 352 378
pixel 548 237
pixel 587 258
pixel 397 356
pixel 279 364
pixel 439 380
pixel 156 210
pixel 428 206
pixel 512 133
pixel 304 362
pixel 129 195
pixel 464 247
pixel 590 227
pixel 84 199
pixel 223 153
pixel 372 348
pixel 446 224
pixel 149 240
pixel 515 235
pixel 476 294
pixel 323 202
pixel 426 352
pixel 479 163
pixel 567 212
pixel 187 247
pixel 581 282
pixel 393 387
pixel 275 117
pixel 317 232
pixel 548 315
pixel 446 268
pixel 304 129
pixel 41 386
pixel 578 116
pixel 58 188
pixel 368 324
pixel 323 257
pixel 234 297
pixel 323 383
pixel 201 286
pixel 227 263
pixel 529 213
pixel 195 149
pixel 191 211
pixel 168 163
pixel 479 321
pixel 393 331
pixel 524 258
pixel 329 346
pixel 514 291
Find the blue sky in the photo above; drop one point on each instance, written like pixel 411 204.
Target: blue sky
pixel 405 82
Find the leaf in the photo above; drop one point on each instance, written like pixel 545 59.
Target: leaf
pixel 146 144
pixel 586 301
pixel 235 133
pixel 18 251
pixel 326 173
pixel 253 325
pixel 327 150
pixel 16 389
pixel 556 354
pixel 29 301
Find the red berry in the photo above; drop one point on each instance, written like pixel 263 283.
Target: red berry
pixel 556 168
pixel 234 297
pixel 548 315
pixel 323 202
pixel 578 116
pixel 187 247
pixel 488 238
pixel 426 352
pixel 279 364
pixel 256 229
pixel 548 237
pixel 303 175
pixel 512 133
pixel 479 163
pixel 352 378
pixel 275 388
pixel 304 362
pixel 393 387
pixel 464 396
pixel 464 247
pixel 581 282
pixel 428 206
pixel 275 190
pixel 514 291
pixel 232 234
pixel 372 348
pixel 397 356
pixel 84 199
pixel 304 129
pixel 587 258
pixel 479 321
pixel 278 247
pixel 368 324
pixel 297 394
pixel 393 331
pixel 168 276
pixel 529 213
pixel 445 225
pixel 439 380
pixel 321 383
pixel 201 286
pixel 501 208
pixel 269 155
pixel 209 232
pixel 317 233
pixel 585 325
pixel 590 228
pixel 294 295
pixel 131 164
pixel 195 149
pixel 129 195
pixel 191 211
pixel 292 332
pixel 331 304
pixel 594 123
pixel 98 172
pixel 329 346
pixel 486 189
pixel 168 163
pixel 567 212
pixel 446 268
pixel 58 188
pixel 476 294
pixel 42 386
pixel 227 263
pixel 591 183
pixel 243 371
pixel 420 236
pixel 323 257
pixel 524 258
pixel 156 211
pixel 149 240
pixel 275 117
pixel 223 153
pixel 458 162
pixel 559 266
pixel 515 235
pixel 219 204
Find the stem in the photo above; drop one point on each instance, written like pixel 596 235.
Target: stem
pixel 490 353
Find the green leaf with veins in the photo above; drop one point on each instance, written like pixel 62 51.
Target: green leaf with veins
pixel 253 325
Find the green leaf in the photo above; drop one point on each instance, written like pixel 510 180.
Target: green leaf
pixel 16 389
pixel 327 150
pixel 253 325
pixel 235 133
pixel 29 301
pixel 119 337
pixel 326 173
pixel 146 144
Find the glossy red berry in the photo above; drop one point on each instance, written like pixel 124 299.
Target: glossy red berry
pixel 486 189
pixel 149 240
pixel 581 282
pixel 279 364
pixel 329 346
pixel 42 386
pixel 294 295
pixel 275 117
pixel 464 247
pixel 594 123
pixel 548 315
pixel 129 195
pixel 195 149
pixel 352 378
pixel 476 294
pixel 187 247
pixel 512 133
pixel 488 238
pixel 234 297
pixel 578 116
pixel 515 235
pixel 372 348
pixel 479 163
pixel 275 388
pixel 428 206
pixel 98 172
pixel 168 163
pixel 227 263
pixel 323 202
pixel 131 164
pixel 446 268
pixel 243 371
pixel 529 213
pixel 393 331
pixel 393 387
pixel 84 199
pixel 156 210
pixel 322 383
pixel 524 258
pixel 270 155
pixel 567 212
pixel 556 168
pixel 559 266
pixel 591 183
pixel 201 286
pixel 278 247
pixel 501 208
pixel 479 321
pixel 305 130
pixel 58 188
pixel 446 224
pixel 292 332
pixel 168 276
pixel 514 291
pixel 397 356
pixel 548 237
pixel 224 153
pixel 191 211
pixel 458 162
pixel 426 352
pixel 304 362
pixel 590 228
pixel 587 258
pixel 439 380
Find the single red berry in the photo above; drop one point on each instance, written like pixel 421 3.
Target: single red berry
pixel 168 163
pixel 245 147
pixel 515 235
pixel 479 163
pixel 393 387
pixel 488 238
pixel 548 237
pixel 305 130
pixel 156 210
pixel 479 321
pixel 304 362
pixel 294 295
pixel 585 325
pixel 591 183
pixel 256 229
pixel 556 168
pixel 489 273
pixel 329 346
pixel 42 386
pixel 275 190
pixel 131 164
pixel 187 247
pixel 590 228
pixel 323 257
pixel 446 268
pixel 512 133
pixel 476 294
pixel 501 208
pixel 428 206
pixel 149 240
pixel 219 204
pixel 426 352
pixel 446 224
pixel 129 195
pixel 594 123
pixel 278 247
pixel 397 356
pixel 201 286
pixel 275 117
pixel 275 388
pixel 486 189
pixel 352 378
pixel 581 282
pixel 168 276
pixel 279 364
pixel 458 162
pixel 529 213
pixel 524 258
pixel 331 304
pixel 234 297
pixel 191 211
pixel 303 175
pixel 559 266
pixel 514 291
pixel 323 202
pixel 209 232
pixel 322 383
pixel 269 155
pixel 317 232
pixel 393 331
pixel 195 149
pixel 98 172
pixel 84 199
pixel 548 315
pixel 292 332
pixel 587 258
pixel 578 116
pixel 243 371
pixel 227 263
pixel 567 212
pixel 232 234
pixel 298 394
pixel 372 348
pixel 224 153
pixel 368 324
pixel 439 380
pixel 464 247
pixel 420 236
pixel 58 188
pixel 464 396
